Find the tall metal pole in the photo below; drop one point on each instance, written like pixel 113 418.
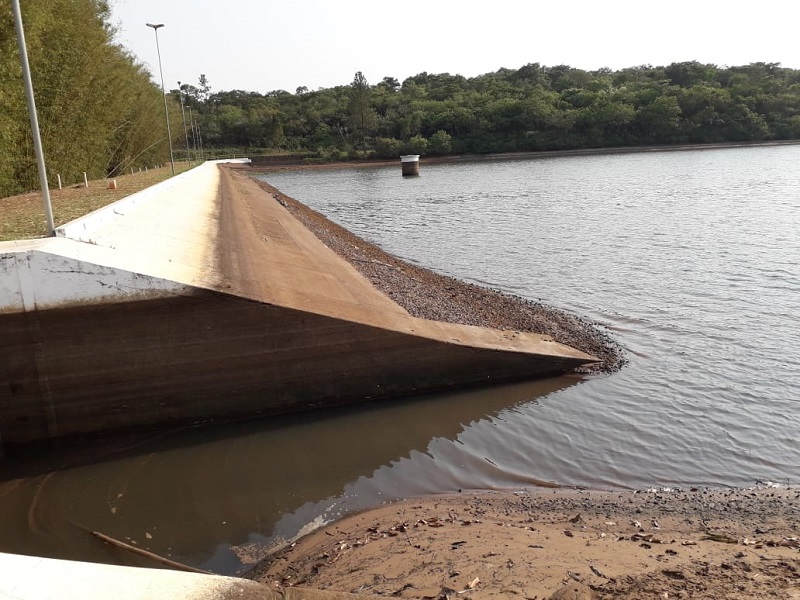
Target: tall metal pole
pixel 156 27
pixel 183 118
pixel 191 126
pixel 199 139
pixel 37 140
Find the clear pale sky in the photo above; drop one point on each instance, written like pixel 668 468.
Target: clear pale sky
pixel 264 45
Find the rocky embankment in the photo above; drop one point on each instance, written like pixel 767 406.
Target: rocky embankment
pixel 429 295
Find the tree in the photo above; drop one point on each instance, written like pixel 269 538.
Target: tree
pixel 660 121
pixel 390 83
pixel 99 110
pixel 687 74
pixel 440 143
pixel 204 87
pixel 531 108
pixel 415 145
pixel 191 95
pixel 362 115
pixel 530 74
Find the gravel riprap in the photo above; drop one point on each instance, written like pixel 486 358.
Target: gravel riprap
pixel 429 295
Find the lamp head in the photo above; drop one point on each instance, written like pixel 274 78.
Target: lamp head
pixel 154 25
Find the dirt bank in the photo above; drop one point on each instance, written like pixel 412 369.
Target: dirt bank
pixel 654 544
pixel 430 295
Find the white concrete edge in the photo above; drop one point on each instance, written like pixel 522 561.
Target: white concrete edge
pixel 78 228
pixel 53 272
pixel 36 578
pixel 82 264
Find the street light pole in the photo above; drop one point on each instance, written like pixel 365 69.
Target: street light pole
pixel 37 140
pixel 193 127
pixel 183 118
pixel 156 27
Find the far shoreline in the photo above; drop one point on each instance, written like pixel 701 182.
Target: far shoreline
pixel 274 163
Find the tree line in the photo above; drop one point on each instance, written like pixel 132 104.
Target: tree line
pixel 101 112
pixel 532 108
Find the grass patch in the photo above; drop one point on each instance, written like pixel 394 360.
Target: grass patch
pixel 22 216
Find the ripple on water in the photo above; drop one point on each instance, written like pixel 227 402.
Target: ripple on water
pixel 689 258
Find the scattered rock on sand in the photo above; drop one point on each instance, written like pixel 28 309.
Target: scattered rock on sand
pixel 511 545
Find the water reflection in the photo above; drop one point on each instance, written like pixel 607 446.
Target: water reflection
pixel 192 494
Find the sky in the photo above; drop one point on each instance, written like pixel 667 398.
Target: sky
pixel 265 45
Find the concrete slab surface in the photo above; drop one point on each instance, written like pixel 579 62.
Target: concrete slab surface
pixel 269 256
pixel 166 231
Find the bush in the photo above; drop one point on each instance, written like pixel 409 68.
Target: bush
pixel 440 143
pixel 387 147
pixel 416 145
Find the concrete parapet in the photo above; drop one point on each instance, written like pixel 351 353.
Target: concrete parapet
pixel 167 230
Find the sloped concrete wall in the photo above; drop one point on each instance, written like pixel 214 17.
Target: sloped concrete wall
pixel 209 357
pixel 208 302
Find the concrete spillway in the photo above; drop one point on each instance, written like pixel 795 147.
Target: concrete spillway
pixel 203 299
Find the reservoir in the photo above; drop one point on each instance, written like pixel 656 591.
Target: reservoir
pixel 690 260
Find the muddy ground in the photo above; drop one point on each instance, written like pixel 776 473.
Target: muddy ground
pixel 653 544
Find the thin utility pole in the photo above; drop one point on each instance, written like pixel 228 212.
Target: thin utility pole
pixel 37 140
pixel 183 117
pixel 156 27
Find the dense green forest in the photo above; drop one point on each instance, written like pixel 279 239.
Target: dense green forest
pixel 531 108
pixel 101 112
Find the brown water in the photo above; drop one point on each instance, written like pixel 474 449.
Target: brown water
pixel 190 495
pixel 691 260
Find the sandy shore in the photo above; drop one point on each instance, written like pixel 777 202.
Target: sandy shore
pixel 545 543
pixel 654 544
